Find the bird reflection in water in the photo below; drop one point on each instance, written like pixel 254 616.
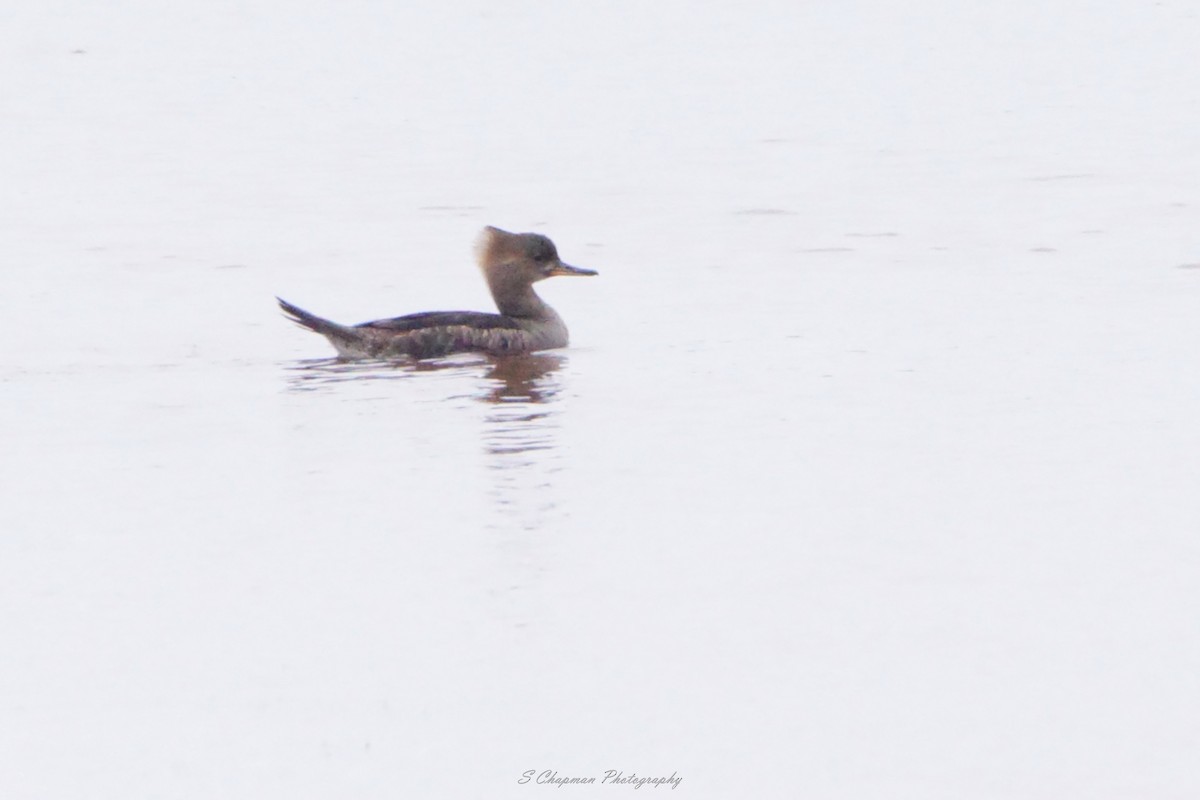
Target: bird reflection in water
pixel 520 437
pixel 523 392
pixel 516 400
pixel 314 374
pixel 520 427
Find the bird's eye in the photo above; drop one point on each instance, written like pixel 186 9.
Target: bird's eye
pixel 541 250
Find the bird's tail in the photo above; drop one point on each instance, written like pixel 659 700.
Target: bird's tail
pixel 305 319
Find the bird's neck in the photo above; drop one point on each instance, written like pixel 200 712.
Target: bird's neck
pixel 518 299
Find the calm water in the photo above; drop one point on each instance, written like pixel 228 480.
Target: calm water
pixel 870 471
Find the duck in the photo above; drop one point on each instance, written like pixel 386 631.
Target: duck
pixel 511 263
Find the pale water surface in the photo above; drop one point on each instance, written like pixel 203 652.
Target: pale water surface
pixel 871 472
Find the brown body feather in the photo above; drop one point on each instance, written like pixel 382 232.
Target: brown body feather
pixel 423 335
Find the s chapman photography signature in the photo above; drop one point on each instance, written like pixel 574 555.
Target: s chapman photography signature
pixel 612 777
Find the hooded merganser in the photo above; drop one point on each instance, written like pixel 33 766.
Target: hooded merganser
pixel 511 264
